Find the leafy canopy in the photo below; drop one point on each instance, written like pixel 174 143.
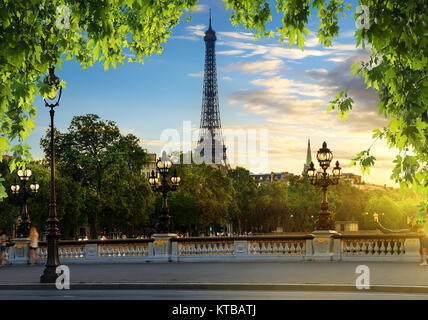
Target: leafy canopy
pixel 104 31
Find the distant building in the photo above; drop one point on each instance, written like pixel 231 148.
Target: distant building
pixel 346 226
pixel 151 165
pixel 273 176
pixel 308 159
pixel 354 179
pixel 369 186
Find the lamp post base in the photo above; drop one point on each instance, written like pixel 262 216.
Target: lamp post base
pixel 162 247
pixel 19 252
pixel 49 275
pixel 323 249
pixel 324 221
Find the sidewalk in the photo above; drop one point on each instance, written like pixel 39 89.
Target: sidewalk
pixel 337 276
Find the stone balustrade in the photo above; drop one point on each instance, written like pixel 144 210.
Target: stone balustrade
pixel 302 247
pixel 94 251
pixel 382 247
pixel 280 248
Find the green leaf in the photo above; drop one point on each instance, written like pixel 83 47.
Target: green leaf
pixel 300 40
pixel 291 36
pixel 97 51
pixel 106 64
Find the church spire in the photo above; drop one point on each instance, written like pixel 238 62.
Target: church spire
pixel 308 154
pixel 308 159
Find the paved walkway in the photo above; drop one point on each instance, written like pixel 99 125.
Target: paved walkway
pixel 250 273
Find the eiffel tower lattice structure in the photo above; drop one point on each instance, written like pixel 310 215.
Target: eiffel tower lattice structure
pixel 210 143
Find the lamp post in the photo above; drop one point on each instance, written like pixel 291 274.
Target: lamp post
pixel 163 166
pixel 23 222
pixel 49 274
pixel 322 179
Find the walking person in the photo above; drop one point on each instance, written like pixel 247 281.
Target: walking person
pixel 34 244
pixel 3 241
pixel 424 245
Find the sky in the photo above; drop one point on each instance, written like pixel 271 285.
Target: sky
pixel 265 87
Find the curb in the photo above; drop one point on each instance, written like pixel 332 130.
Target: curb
pixel 219 286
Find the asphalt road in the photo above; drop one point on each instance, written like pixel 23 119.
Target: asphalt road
pixel 199 295
pixel 381 273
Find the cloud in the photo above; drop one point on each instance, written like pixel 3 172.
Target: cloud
pixel 226 78
pixel 196 75
pixel 153 143
pixel 277 51
pixel 267 67
pixel 191 38
pixel 197 30
pixel 337 59
pixel 236 35
pixel 295 110
pixel 201 8
pixel 230 52
pixel 339 78
pixel 290 88
pixel 293 103
pixel 129 131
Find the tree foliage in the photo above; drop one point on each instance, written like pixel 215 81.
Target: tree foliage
pixel 32 41
pixel 107 165
pixel 38 34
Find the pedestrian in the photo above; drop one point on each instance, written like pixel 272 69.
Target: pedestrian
pixel 3 242
pixel 417 226
pixel 34 244
pixel 424 245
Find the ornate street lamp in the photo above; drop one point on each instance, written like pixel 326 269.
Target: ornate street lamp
pixel 163 166
pixel 23 222
pixel 323 179
pixel 49 274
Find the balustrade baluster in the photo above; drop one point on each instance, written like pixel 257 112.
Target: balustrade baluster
pixel 298 248
pixel 364 249
pixel 376 248
pixel 280 248
pixel 263 248
pixel 228 249
pixel 258 248
pixel 389 248
pixel 402 250
pixel 395 248
pixel 268 248
pixel 382 248
pixel 287 248
pixel 293 248
pixel 370 248
pixel 347 247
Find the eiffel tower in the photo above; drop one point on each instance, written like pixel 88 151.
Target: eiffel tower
pixel 210 144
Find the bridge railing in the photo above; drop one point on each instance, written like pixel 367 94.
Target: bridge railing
pixel 91 251
pixel 300 247
pixel 288 247
pixel 380 247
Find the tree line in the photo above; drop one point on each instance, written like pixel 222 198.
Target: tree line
pixel 99 184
